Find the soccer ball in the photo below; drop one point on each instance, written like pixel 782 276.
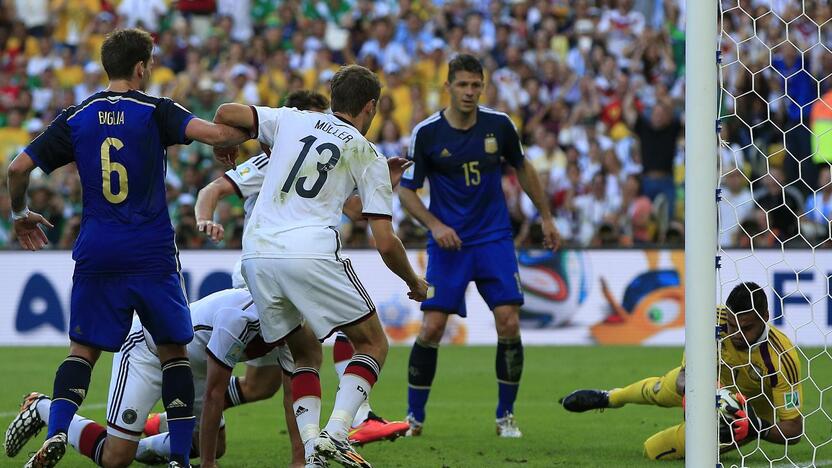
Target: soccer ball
pixel 555 285
pixel 728 403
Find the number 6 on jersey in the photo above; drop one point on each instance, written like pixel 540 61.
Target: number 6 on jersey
pixel 107 169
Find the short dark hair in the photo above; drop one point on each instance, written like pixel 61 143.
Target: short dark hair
pixel 123 49
pixel 306 100
pixel 748 297
pixel 353 86
pixel 464 62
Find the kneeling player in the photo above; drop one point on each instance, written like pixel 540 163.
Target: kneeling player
pixel 246 181
pixel 758 360
pixel 226 330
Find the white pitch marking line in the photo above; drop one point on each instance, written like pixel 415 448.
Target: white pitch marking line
pixel 93 406
pixel 809 463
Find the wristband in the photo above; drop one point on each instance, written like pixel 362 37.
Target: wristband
pixel 22 214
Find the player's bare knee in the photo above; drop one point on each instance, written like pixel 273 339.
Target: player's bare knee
pixel 507 324
pixel 118 453
pixel 87 352
pixel 171 351
pixel 432 332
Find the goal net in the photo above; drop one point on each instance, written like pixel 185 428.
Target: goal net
pixel 774 208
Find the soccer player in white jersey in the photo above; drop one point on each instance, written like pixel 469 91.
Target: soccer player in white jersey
pixel 226 332
pixel 303 288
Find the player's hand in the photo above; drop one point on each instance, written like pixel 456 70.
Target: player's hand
pixel 446 237
pixel 227 156
pixel 29 232
pixel 746 423
pixel 551 235
pixel 397 166
pixel 213 230
pixel 418 290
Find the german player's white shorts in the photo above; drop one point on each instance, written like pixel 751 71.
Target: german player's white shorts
pixel 322 294
pixel 136 386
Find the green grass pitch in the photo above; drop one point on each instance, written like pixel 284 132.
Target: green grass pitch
pixel 459 431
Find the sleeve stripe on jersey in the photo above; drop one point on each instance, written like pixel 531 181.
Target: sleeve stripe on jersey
pixel 431 119
pixel 203 328
pixel 234 184
pixel 787 362
pixel 376 216
pixel 255 133
pixel 250 327
pixel 261 161
pixel 765 352
pixel 217 360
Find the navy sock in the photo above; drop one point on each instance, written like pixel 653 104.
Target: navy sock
pixel 72 380
pixel 421 369
pixel 509 369
pixel 234 393
pixel 178 398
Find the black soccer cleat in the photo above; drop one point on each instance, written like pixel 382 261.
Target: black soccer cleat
pixel 586 400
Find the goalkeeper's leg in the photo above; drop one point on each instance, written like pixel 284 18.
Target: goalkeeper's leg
pixel 668 444
pixel 659 391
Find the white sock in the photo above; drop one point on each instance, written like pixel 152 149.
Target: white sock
pixel 42 407
pixel 362 413
pixel 340 367
pixel 163 422
pixel 76 427
pixel 308 417
pixel 352 392
pixel 158 445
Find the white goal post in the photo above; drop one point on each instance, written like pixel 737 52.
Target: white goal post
pixel 701 178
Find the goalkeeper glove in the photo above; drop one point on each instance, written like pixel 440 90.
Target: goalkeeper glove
pixel 746 423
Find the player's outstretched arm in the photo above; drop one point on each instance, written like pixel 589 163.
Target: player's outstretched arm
pixel 216 382
pixel 215 134
pixel 27 224
pixel 395 257
pixel 527 176
pixel 206 203
pixel 444 235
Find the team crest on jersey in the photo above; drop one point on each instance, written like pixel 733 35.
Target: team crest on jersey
pixel 490 143
pixel 445 153
pixel 129 416
pixel 792 400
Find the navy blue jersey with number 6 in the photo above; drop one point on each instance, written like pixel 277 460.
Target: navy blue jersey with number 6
pixel 119 143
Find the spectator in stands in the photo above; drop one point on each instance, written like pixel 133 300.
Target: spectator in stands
pixel 781 205
pixel 736 206
pixel 658 136
pixel 595 208
pixel 819 206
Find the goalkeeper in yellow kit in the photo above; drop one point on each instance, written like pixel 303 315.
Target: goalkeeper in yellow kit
pixel 758 361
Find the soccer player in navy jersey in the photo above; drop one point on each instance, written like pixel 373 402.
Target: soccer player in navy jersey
pixel 462 150
pixel 125 257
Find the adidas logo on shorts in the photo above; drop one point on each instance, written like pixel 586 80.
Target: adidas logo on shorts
pixel 300 411
pixel 177 403
pixel 79 391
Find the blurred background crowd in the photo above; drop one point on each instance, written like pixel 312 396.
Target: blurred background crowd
pixel 595 88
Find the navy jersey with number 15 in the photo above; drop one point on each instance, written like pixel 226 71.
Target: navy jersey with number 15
pixel 464 168
pixel 119 143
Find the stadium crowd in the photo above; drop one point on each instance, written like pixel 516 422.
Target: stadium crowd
pixel 596 88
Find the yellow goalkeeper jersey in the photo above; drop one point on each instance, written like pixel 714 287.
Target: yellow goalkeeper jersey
pixel 768 373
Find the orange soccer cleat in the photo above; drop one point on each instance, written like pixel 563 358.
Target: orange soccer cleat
pixel 152 425
pixel 375 428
